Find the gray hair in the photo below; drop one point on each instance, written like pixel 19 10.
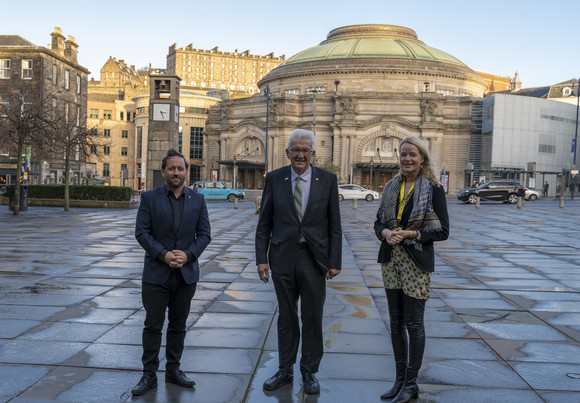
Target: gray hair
pixel 302 134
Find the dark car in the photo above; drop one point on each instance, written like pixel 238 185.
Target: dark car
pixel 506 192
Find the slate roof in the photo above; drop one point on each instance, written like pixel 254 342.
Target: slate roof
pixel 14 40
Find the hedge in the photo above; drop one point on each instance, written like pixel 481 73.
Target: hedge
pixel 78 192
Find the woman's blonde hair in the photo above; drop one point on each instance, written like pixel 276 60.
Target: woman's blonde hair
pixel 427 167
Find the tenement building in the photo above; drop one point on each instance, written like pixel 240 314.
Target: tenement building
pixel 53 74
pixel 111 111
pixel 230 74
pixel 362 90
pixel 119 108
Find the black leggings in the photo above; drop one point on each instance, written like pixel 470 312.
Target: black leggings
pixel 406 314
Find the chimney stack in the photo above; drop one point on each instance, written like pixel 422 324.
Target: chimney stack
pixel 57 41
pixel 71 49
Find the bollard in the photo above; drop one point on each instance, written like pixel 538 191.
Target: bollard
pixel 257 204
pixel 355 206
pixel 561 201
pixel 235 203
pixel 477 199
pixel 520 201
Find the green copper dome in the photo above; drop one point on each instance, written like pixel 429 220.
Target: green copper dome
pixel 374 41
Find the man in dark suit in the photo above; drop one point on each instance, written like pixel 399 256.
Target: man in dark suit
pixel 299 238
pixel 173 228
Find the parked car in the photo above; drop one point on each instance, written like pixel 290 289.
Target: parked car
pixel 532 194
pixel 217 190
pixel 506 192
pixel 351 191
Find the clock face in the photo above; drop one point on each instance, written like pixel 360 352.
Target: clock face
pixel 161 112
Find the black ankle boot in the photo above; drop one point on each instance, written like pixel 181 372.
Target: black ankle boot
pixel 394 391
pixel 410 390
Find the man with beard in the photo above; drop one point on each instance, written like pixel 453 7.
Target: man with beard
pixel 173 227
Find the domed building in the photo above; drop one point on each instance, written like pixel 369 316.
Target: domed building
pixel 362 90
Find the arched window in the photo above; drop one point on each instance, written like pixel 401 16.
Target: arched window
pixel 382 147
pixel 250 149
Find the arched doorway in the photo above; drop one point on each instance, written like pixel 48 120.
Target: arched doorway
pixel 379 162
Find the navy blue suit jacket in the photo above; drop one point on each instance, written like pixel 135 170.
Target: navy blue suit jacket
pixel 279 230
pixel 154 232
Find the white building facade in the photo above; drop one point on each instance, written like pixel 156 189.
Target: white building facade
pixel 526 138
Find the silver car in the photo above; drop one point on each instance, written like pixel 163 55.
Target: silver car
pixel 352 192
pixel 532 194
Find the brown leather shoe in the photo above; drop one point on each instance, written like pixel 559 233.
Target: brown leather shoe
pixel 178 377
pixel 280 379
pixel 146 383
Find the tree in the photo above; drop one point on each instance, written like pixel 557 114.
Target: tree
pixel 329 166
pixel 25 120
pixel 70 139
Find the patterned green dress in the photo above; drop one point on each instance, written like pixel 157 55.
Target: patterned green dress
pixel 402 273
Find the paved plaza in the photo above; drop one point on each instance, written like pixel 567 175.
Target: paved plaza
pixel 503 321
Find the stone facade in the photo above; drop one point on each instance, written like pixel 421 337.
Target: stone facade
pixel 235 73
pixel 362 90
pixel 111 110
pixel 193 110
pixel 55 72
pixel 124 92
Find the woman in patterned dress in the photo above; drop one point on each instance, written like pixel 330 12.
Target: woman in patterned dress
pixel 412 215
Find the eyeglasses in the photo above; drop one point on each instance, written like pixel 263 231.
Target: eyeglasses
pixel 296 151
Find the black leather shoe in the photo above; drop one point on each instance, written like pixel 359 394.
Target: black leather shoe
pixel 178 377
pixel 311 385
pixel 146 383
pixel 280 379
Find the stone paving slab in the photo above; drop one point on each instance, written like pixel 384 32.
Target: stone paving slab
pixel 503 321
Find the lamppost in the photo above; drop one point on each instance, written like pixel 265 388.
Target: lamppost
pixel 315 91
pixel 268 99
pixel 575 144
pixel 574 171
pixel 371 182
pixel 234 160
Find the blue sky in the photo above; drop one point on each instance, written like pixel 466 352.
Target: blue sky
pixel 539 39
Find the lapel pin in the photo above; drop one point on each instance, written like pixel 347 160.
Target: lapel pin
pixel 285 179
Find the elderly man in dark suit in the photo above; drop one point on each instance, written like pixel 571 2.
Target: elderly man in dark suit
pixel 299 238
pixel 173 228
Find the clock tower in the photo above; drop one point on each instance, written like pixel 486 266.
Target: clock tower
pixel 163 124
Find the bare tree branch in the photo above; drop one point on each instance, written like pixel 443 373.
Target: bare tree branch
pixel 25 120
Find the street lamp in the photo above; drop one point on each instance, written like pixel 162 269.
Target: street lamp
pixel 372 165
pixel 575 142
pixel 234 160
pixel 268 99
pixel 315 91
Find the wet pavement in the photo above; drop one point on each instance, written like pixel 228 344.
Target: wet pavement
pixel 503 321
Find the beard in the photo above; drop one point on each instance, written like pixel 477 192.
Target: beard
pixel 175 182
